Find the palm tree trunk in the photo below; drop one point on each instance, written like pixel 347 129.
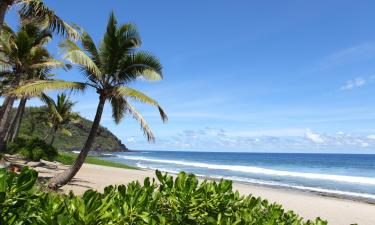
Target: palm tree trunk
pixel 4 124
pixel 68 174
pixel 53 136
pixel 47 135
pixel 3 107
pixel 16 118
pixel 12 123
pixel 5 119
pixel 3 9
pixel 19 117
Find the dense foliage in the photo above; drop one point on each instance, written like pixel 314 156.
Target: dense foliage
pixel 33 125
pixel 32 149
pixel 170 201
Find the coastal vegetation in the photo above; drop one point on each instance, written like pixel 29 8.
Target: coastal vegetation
pixel 37 133
pixel 108 68
pixel 35 125
pixel 68 158
pixel 182 200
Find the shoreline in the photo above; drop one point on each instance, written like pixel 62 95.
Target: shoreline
pixel 292 189
pixel 336 211
pixel 308 205
pixel 348 195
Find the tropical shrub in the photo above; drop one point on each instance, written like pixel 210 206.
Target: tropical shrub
pixel 32 149
pixel 169 201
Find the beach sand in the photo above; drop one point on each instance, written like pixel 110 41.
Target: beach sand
pixel 308 205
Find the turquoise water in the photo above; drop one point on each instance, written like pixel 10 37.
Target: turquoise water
pixel 345 175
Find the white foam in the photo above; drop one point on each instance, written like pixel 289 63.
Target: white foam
pixel 259 170
pixel 274 184
pixel 304 188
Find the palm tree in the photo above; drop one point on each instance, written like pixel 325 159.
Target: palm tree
pixel 109 69
pixel 60 114
pixel 21 55
pixel 35 11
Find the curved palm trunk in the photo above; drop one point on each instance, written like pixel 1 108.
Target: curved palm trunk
pixel 68 174
pixel 19 116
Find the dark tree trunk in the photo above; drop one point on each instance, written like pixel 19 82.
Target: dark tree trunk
pixel 15 120
pixel 3 107
pixel 4 124
pixel 53 135
pixel 19 116
pixel 3 9
pixel 67 175
pixel 6 117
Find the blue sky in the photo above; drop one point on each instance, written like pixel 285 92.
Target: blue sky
pixel 274 76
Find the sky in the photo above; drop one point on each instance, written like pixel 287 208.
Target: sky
pixel 253 76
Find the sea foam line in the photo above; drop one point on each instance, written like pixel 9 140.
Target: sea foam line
pixel 259 170
pixel 275 184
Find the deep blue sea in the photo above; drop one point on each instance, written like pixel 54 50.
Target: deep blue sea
pixel 345 175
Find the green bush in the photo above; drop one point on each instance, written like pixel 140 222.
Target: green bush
pixel 170 201
pixel 32 149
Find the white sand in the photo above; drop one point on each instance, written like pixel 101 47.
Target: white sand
pixel 336 211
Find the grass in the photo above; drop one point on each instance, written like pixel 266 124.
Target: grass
pixel 68 159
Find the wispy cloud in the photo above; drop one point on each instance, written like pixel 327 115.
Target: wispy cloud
pixel 357 83
pixel 363 51
pixel 314 137
pixel 220 139
pixel 354 83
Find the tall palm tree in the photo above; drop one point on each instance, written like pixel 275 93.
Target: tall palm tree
pixel 60 115
pixel 35 11
pixel 21 54
pixel 109 68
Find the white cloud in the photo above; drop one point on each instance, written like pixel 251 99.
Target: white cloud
pixel 354 83
pixel 217 139
pixel 130 139
pixel 286 132
pixel 314 137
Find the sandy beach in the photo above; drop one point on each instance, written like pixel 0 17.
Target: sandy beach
pixel 308 205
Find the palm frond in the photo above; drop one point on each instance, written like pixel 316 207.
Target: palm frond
pixel 118 104
pixel 140 64
pixel 35 11
pixel 36 88
pixel 88 44
pixel 74 54
pixel 127 92
pixel 65 132
pixel 109 48
pixel 51 106
pixel 51 63
pixel 143 123
pixel 129 36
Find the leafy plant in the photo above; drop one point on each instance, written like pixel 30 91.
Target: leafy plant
pixel 32 149
pixel 183 200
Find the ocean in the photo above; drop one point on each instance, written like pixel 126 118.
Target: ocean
pixel 342 175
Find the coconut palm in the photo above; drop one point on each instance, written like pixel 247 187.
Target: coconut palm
pixel 109 68
pixel 60 115
pixel 13 130
pixel 35 11
pixel 21 55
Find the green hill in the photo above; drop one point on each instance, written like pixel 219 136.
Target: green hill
pixel 33 125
